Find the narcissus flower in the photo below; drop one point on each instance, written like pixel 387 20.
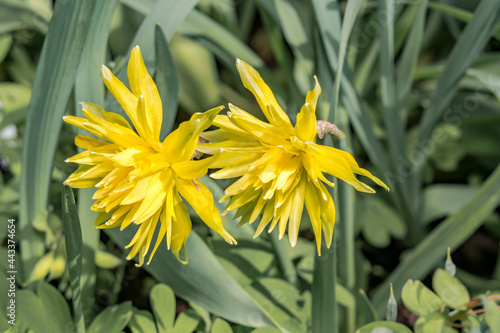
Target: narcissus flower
pixel 140 179
pixel 280 165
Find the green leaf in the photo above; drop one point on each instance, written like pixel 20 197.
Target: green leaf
pixel 107 260
pixel 366 313
pixel 434 322
pixel 73 240
pixel 166 81
pixel 142 322
pixel 389 325
pixel 113 319
pixel 202 281
pixel 186 322
pixel 267 329
pixel 450 233
pixel 445 199
pixel 379 222
pixel 470 44
pixel 56 307
pixel 89 87
pixel 31 313
pixel 409 56
pixel 324 303
pixel 52 87
pixel 461 14
pixel 491 315
pixel 419 299
pixel 221 326
pixel 162 300
pixel 450 289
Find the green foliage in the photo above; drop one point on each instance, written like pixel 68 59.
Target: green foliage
pixel 414 87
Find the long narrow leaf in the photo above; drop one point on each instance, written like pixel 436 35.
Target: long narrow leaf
pixel 89 87
pixel 166 81
pixel 450 233
pixel 53 83
pixel 73 238
pixel 470 44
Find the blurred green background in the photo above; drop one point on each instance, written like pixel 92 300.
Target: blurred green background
pixel 414 85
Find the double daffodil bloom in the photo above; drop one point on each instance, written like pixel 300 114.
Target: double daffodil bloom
pixel 140 179
pixel 280 165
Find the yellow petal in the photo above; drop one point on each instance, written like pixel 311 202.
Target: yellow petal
pixel 202 202
pixel 306 126
pixel 252 81
pixel 260 130
pixel 297 206
pixel 352 163
pixel 126 99
pixel 313 209
pixel 141 83
pixel 87 142
pixel 181 228
pixel 108 116
pixel 193 169
pixel 181 143
pixel 334 163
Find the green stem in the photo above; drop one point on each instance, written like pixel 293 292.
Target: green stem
pixel 324 307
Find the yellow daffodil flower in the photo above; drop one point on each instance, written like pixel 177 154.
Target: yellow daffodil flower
pixel 280 165
pixel 140 179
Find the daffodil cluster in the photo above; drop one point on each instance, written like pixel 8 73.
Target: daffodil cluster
pixel 144 181
pixel 280 166
pixel 140 179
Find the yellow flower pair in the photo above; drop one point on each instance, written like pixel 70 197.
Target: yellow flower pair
pixel 142 180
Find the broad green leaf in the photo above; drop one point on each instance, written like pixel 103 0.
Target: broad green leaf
pixel 52 87
pixel 31 313
pixel 389 326
pixel 282 300
pixel 142 322
pixel 379 222
pixel 202 281
pixel 56 307
pixel 221 326
pixel 433 323
pixel 492 315
pixel 419 299
pixel 450 289
pixel 113 319
pixel 450 233
pixel 73 240
pixel 445 199
pixel 186 322
pixel 162 300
